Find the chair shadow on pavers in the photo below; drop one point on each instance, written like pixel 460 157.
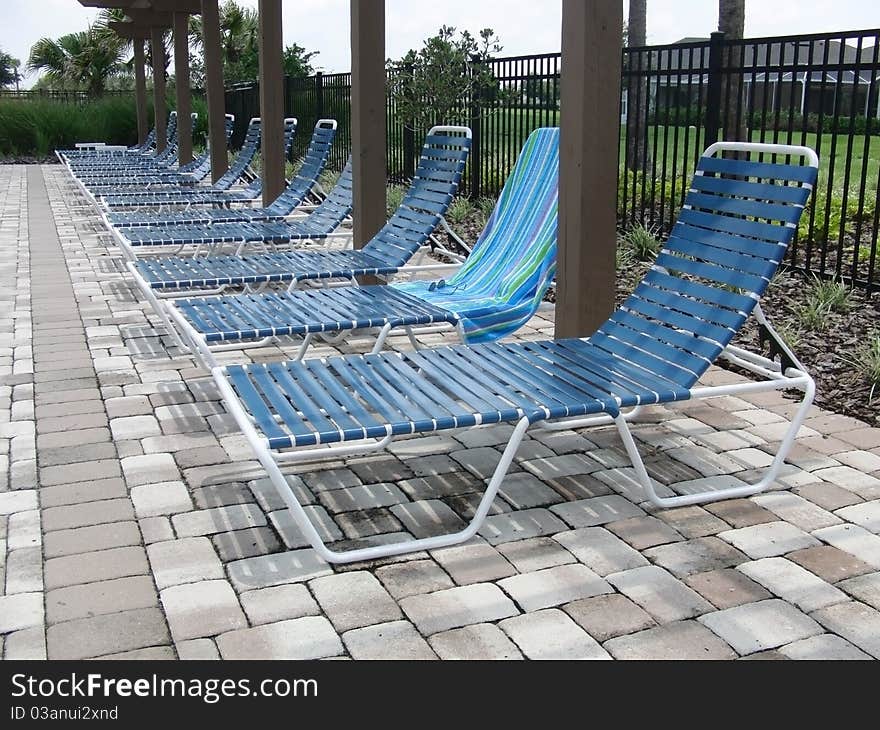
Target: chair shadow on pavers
pixel 110 264
pixel 729 239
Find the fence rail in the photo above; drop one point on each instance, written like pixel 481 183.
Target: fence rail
pixel 821 90
pixel 70 97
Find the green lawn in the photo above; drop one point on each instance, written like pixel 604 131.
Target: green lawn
pixel 675 142
pixel 504 131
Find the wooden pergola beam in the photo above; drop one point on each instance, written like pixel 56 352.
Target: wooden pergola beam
pixel 157 51
pixel 140 89
pixel 589 139
pixel 214 88
pixel 271 100
pixel 190 7
pixel 108 3
pixel 127 29
pixel 368 117
pixel 149 17
pixel 182 88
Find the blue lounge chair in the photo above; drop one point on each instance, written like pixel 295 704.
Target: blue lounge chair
pixel 498 288
pixel 220 192
pixel 296 191
pixel 102 154
pixel 156 180
pixel 439 171
pixel 94 151
pixel 112 165
pixel 409 232
pixel 730 237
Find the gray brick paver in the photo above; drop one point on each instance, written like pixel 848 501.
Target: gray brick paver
pixel 311 637
pixel 96 566
pixel 684 640
pixel 354 600
pixel 392 640
pixel 104 597
pixel 180 469
pixel 456 607
pixel 857 623
pixel 551 634
pixel 99 635
pixel 202 609
pixel 476 642
pixel 756 627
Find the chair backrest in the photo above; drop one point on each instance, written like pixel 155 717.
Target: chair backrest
pixel 335 207
pixel 166 156
pixel 171 128
pixel 148 142
pixel 313 164
pixel 432 190
pixel 201 165
pixel 244 158
pixel 730 237
pixel 504 279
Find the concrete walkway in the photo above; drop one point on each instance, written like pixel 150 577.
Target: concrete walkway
pixel 135 523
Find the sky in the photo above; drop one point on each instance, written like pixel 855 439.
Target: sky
pixel 524 26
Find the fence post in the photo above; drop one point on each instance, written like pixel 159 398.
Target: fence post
pixel 409 136
pixel 319 95
pixel 712 125
pixel 475 162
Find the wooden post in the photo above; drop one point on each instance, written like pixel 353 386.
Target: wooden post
pixel 368 117
pixel 214 88
pixel 589 138
pixel 140 90
pixel 157 48
pixel 271 100
pixel 181 80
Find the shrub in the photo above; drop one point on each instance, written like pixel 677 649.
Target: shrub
pixel 790 335
pixel 835 296
pixel 459 210
pixel 394 197
pixel 867 362
pixel 642 241
pixel 37 127
pixel 484 208
pixel 813 314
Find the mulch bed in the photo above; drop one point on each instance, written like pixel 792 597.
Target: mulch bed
pixel 827 355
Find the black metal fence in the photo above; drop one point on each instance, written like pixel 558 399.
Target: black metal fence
pixel 819 90
pixel 68 97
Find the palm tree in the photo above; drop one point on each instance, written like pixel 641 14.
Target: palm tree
pixel 239 41
pixel 84 60
pixel 8 70
pixel 55 58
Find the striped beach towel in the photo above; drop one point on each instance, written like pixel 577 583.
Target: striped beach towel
pixel 504 279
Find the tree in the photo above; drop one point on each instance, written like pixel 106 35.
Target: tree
pixel 240 47
pixel 637 101
pixel 85 60
pixel 297 61
pixel 447 79
pixel 8 70
pixel 731 22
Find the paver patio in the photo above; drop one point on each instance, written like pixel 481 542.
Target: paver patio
pixel 135 522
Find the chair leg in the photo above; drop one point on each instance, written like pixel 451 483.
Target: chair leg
pixel 747 490
pixel 379 551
